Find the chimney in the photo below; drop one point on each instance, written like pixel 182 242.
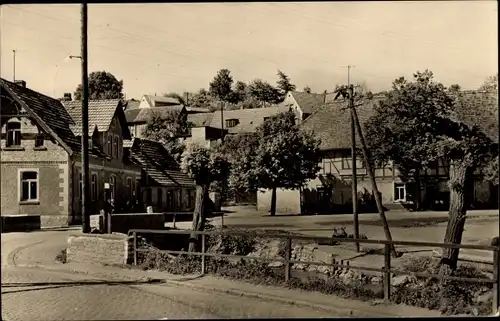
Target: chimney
pixel 21 83
pixel 67 96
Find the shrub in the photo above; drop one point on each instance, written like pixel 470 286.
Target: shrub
pixel 62 256
pixel 450 297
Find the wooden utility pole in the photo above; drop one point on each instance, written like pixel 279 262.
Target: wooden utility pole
pixel 14 67
pixel 371 175
pixel 354 184
pixel 85 126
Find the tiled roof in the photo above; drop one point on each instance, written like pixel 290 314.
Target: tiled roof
pixel 197 110
pixel 200 120
pixel 160 100
pixel 308 102
pixel 132 104
pixel 248 119
pixel 131 114
pixel 51 112
pixel 159 165
pixel 101 112
pixel 145 114
pixel 331 121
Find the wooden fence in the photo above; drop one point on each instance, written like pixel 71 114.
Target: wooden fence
pixel 386 270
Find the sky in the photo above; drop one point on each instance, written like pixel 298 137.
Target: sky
pixel 161 48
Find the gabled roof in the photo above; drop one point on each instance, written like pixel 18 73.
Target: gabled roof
pixel 158 164
pixel 145 114
pixel 331 121
pixel 248 119
pixel 131 114
pixel 131 104
pixel 48 112
pixel 197 110
pixel 200 120
pixel 308 102
pixel 101 113
pixel 153 101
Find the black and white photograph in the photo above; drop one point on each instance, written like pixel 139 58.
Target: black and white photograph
pixel 226 160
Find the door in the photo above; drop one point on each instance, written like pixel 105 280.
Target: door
pixel 170 201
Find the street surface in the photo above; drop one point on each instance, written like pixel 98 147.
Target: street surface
pixel 37 294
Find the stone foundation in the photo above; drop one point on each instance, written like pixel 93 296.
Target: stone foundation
pixel 101 249
pixel 20 223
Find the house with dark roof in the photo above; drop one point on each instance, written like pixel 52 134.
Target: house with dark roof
pixel 163 185
pixel 331 190
pixel 303 104
pixel 41 156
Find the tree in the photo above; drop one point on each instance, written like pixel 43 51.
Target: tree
pixel 307 89
pixel 220 86
pixel 264 92
pixel 284 84
pixel 201 99
pixel 205 166
pixel 491 84
pixel 176 96
pixel 102 85
pixel 418 123
pixel 280 155
pixel 166 129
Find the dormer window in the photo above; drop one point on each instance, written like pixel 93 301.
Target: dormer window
pixel 13 134
pixel 231 123
pixel 39 140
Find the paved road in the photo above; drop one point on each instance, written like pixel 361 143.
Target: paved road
pixel 37 294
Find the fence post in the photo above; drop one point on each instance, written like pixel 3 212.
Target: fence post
pixel 109 223
pixel 135 248
pixel 288 256
pixel 174 219
pixel 202 254
pixel 387 272
pixel 496 275
pixel 222 219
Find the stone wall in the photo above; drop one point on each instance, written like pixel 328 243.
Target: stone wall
pixel 102 249
pixel 122 223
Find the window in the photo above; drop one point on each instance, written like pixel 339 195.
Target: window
pixel 115 145
pixel 346 162
pixel 39 140
pixel 231 123
pixel 112 187
pixel 29 186
pixel 130 188
pixel 13 134
pixel 93 185
pixel 90 143
pixel 110 145
pixel 327 166
pixel 399 192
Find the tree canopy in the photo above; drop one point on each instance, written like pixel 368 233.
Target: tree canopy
pixel 420 122
pixel 166 129
pixel 221 86
pixel 284 84
pixel 278 155
pixel 264 92
pixel 102 85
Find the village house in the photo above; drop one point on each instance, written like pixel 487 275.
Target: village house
pixel 41 156
pixel 303 104
pixel 331 190
pixel 162 184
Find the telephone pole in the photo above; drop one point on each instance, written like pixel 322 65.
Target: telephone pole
pixel 354 185
pixel 85 125
pixel 14 67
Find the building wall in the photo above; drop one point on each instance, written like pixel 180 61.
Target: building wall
pixel 144 103
pixel 292 104
pixel 51 163
pixel 172 199
pixel 287 201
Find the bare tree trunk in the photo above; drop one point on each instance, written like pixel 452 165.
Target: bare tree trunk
pixel 273 202
pixel 456 216
pixel 198 215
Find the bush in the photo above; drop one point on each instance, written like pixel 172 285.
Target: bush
pixel 62 256
pixel 450 297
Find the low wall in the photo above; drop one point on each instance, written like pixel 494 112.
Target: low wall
pixel 20 223
pixel 122 223
pixel 100 249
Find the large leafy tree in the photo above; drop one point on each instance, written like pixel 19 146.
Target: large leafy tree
pixel 177 96
pixel 205 166
pixel 418 123
pixel 102 85
pixel 201 99
pixel 264 92
pixel 221 86
pixel 166 129
pixel 284 84
pixel 280 155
